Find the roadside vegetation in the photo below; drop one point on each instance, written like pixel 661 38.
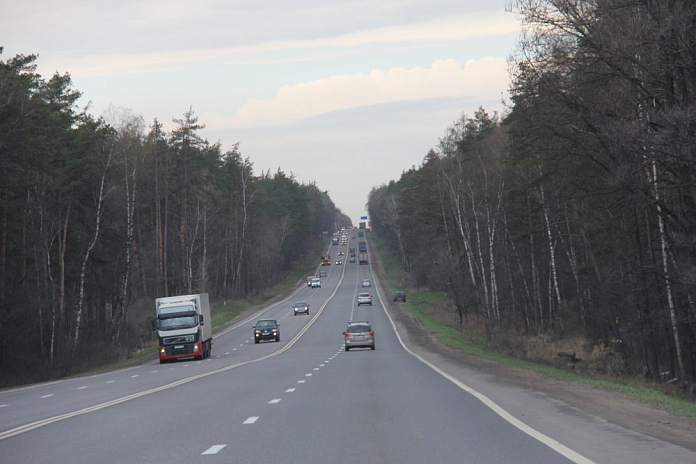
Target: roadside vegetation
pixel 568 224
pixel 434 310
pixel 100 216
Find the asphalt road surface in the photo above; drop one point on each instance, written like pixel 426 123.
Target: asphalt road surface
pixel 304 399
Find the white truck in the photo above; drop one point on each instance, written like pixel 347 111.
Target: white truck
pixel 184 327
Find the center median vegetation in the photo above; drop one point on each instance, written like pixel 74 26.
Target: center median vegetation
pixel 438 315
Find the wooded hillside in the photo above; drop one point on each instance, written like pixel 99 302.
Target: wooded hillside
pixel 98 217
pixel 576 214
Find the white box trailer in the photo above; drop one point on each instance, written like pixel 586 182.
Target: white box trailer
pixel 184 327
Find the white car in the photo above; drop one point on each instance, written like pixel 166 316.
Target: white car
pixel 316 282
pixel 364 298
pixel 367 283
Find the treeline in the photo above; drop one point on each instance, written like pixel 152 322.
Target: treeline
pixel 576 214
pixel 98 216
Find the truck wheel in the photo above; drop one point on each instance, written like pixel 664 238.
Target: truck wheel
pixel 256 340
pixel 163 361
pixel 347 349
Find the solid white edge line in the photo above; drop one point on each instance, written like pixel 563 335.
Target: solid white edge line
pixel 555 445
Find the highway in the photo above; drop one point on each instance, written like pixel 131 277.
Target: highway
pixel 304 399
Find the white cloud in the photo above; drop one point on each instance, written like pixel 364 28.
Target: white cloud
pixel 473 26
pixel 484 79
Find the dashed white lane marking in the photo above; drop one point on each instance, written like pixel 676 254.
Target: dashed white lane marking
pixel 316 368
pixel 289 390
pixel 111 381
pixel 47 396
pixel 134 376
pixel 213 449
pixel 153 372
pixel 300 381
pixel 250 420
pixel 322 365
pixel 227 352
pixel 241 344
pixel 234 349
pixel 6 405
pixel 308 375
pixel 82 388
pixel 274 401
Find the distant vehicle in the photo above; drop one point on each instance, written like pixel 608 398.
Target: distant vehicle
pixel 326 260
pixel 361 233
pixel 316 283
pixel 351 259
pixel 353 237
pixel 362 259
pixel 361 225
pixel 266 329
pixel 351 250
pixel 322 273
pixel 399 296
pixel 359 334
pixel 335 241
pixel 339 262
pixel 362 247
pixel 367 283
pixel 300 307
pixel 364 298
pixel 340 253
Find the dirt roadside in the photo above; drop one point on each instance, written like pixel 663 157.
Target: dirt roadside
pixel 610 405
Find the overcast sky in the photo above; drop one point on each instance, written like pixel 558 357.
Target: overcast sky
pixel 346 94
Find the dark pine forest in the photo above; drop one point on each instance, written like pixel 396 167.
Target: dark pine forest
pixel 98 217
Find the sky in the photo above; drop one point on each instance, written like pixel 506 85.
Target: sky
pixel 343 94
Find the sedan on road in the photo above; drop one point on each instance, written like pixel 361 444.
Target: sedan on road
pixel 339 262
pixel 359 334
pixel 266 329
pixel 301 307
pixel 367 283
pixel 364 298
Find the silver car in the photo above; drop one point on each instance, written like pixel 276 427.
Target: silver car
pixel 359 334
pixel 364 298
pixel 367 283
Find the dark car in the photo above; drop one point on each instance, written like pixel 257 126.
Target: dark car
pixel 359 334
pixel 399 296
pixel 266 329
pixel 300 307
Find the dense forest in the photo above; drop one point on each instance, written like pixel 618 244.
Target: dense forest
pixel 575 213
pixel 99 216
